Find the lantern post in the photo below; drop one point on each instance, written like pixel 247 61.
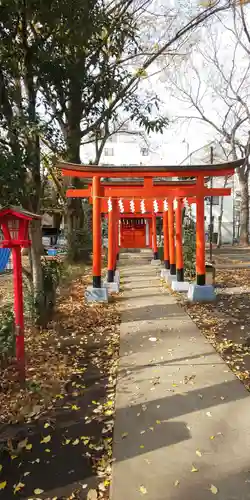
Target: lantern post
pixel 14 225
pixel 18 311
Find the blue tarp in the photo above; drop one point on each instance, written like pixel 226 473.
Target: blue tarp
pixel 4 257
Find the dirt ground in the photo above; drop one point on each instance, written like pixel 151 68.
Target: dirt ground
pixel 59 441
pixel 226 323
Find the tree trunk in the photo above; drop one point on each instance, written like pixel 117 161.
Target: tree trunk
pixel 244 207
pixel 36 267
pixel 219 239
pixel 74 212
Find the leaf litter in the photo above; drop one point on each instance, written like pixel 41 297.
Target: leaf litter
pixel 226 323
pixel 71 365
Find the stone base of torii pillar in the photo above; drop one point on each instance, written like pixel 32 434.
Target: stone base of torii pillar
pixel 201 293
pixel 96 294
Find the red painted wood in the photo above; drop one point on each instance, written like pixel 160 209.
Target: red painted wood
pixel 18 310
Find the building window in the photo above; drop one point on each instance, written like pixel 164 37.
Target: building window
pixel 144 151
pixel 108 152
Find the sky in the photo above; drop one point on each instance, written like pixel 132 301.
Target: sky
pixel 180 139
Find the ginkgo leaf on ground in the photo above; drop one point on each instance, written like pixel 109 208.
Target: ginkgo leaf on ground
pixel 28 447
pixel 18 487
pixel 77 441
pixel 46 439
pixel 198 453
pixel 38 491
pixel 194 469
pixel 213 489
pixel 143 490
pixel 3 485
pixel 176 483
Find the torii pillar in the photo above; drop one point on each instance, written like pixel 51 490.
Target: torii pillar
pixel 111 283
pixel 179 285
pixel 165 272
pixel 171 239
pixel 166 240
pixel 154 237
pixel 97 292
pixel 200 292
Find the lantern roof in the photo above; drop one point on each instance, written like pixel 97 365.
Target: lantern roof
pixel 18 212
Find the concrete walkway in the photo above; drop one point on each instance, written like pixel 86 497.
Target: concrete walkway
pixel 182 427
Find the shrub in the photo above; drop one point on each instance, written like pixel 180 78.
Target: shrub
pixel 189 249
pixel 7 331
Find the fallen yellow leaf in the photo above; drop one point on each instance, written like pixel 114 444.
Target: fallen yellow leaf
pixel 194 469
pixel 176 483
pixel 26 474
pixel 77 441
pixel 124 435
pixel 67 441
pixel 46 425
pixel 38 491
pixel 47 450
pixel 46 439
pixel 18 487
pixel 28 447
pixel 213 489
pixel 75 407
pixel 198 453
pixel 143 490
pixel 3 485
pixel 142 446
pixel 108 413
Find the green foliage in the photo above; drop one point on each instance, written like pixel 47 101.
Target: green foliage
pixel 79 245
pixel 40 311
pixel 189 249
pixel 161 252
pixel 7 336
pixel 52 272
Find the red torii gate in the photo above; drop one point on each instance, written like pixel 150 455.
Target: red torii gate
pixel 151 191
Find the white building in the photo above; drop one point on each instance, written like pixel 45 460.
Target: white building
pixel 126 147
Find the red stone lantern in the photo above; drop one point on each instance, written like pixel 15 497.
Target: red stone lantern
pixel 14 223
